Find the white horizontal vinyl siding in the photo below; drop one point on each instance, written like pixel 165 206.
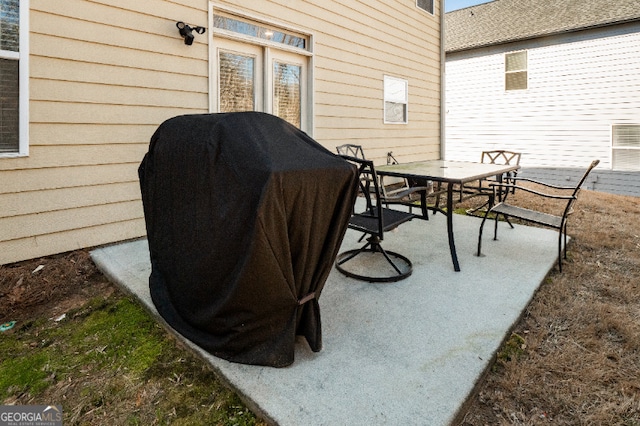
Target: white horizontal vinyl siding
pixel 579 85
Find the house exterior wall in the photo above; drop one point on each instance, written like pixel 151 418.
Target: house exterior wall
pixel 105 73
pixel 579 85
pixel 355 45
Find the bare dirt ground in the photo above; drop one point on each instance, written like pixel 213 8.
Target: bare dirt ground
pixel 574 357
pixel 48 287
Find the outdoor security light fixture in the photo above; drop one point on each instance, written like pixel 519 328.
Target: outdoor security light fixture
pixel 186 32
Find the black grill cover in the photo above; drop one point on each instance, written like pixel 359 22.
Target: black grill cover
pixel 245 214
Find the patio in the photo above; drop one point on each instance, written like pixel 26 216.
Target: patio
pixel 409 352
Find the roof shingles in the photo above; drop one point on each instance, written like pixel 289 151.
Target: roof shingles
pixel 504 21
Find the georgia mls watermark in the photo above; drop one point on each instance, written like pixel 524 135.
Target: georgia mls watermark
pixel 30 415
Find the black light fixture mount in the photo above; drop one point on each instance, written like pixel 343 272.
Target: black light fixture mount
pixel 186 31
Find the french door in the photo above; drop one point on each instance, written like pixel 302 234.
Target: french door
pixel 251 77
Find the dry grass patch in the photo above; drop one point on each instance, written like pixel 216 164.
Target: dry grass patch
pixel 581 362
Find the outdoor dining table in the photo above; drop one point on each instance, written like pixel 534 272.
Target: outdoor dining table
pixel 452 173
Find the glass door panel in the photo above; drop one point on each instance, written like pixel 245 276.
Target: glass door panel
pixel 288 80
pixel 287 92
pixel 245 81
pixel 239 77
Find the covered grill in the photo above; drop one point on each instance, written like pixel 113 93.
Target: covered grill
pixel 245 214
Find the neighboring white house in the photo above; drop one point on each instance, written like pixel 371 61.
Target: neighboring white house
pixel 557 80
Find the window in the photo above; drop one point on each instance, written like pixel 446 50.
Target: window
pixel 426 5
pixel 265 32
pixel 396 100
pixel 286 91
pixel 261 67
pixel 237 77
pixel 14 80
pixel 515 68
pixel 625 145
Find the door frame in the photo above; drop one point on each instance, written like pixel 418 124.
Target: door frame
pixel 272 50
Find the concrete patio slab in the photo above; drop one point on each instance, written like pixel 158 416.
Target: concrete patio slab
pixel 405 353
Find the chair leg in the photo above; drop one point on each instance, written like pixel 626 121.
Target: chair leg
pixel 506 218
pixel 379 248
pixel 484 219
pixel 560 249
pixel 480 235
pixel 564 231
pixel 436 204
pixel 471 211
pixel 357 252
pixel 423 205
pixel 373 245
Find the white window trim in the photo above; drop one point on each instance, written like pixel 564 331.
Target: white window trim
pixel 23 57
pixel 386 98
pixel 526 69
pixel 308 119
pixel 432 12
pixel 626 148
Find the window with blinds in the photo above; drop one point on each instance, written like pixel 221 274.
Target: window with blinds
pixel 515 67
pixel 396 100
pixel 237 89
pixel 625 146
pixel 9 76
pixel 287 99
pixel 10 25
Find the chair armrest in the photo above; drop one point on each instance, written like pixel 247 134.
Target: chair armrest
pixel 403 192
pixel 531 191
pixel 537 182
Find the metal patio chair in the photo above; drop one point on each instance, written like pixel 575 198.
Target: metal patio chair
pixel 356 151
pixel 406 192
pixel 400 192
pixel 351 150
pixel 503 157
pixel 569 195
pixel 375 220
pixel 495 157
